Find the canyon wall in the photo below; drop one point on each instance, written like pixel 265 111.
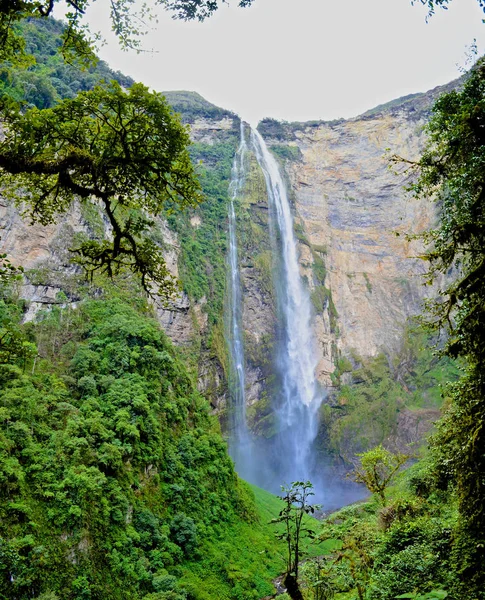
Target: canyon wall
pixel 352 216
pixel 51 278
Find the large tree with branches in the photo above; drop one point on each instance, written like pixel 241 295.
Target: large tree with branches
pixel 122 150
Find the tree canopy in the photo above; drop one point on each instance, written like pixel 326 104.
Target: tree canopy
pixel 122 149
pixel 128 21
pixel 452 170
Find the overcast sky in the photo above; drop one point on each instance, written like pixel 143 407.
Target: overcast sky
pixel 300 60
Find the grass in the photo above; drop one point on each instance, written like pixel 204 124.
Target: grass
pixel 241 562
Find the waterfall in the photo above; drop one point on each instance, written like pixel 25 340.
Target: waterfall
pixel 239 440
pixel 290 454
pixel 300 395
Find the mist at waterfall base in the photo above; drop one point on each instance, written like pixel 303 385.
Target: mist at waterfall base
pixel 291 454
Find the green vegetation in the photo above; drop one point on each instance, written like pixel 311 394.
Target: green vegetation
pixel 375 393
pixel 320 295
pixel 296 506
pixel 50 79
pixel 115 480
pixel 425 540
pixel 279 130
pixel 433 4
pixel 129 23
pixel 377 469
pixel 193 106
pixel 452 168
pixel 287 152
pixel 203 248
pixel 123 149
pixel 399 549
pixel 104 144
pixel 203 239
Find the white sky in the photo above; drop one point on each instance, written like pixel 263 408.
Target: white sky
pixel 301 60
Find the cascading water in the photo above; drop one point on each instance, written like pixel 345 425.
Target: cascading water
pixel 300 393
pixel 240 440
pixel 289 455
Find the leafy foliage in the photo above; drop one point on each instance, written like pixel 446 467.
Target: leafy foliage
pixel 49 78
pixel 123 148
pixel 204 247
pixel 192 106
pixel 377 468
pixel 115 482
pixel 296 506
pixel 452 170
pixel 8 271
pixel 129 22
pixel 399 549
pixel 375 393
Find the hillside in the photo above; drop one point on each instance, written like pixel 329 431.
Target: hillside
pixel 364 285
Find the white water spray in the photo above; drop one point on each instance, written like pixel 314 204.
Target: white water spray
pixel 290 454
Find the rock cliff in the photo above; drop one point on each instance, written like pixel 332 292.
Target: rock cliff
pixel 353 214
pixel 51 278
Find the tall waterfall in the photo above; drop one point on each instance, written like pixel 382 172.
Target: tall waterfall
pixel 239 440
pixel 297 353
pixel 289 455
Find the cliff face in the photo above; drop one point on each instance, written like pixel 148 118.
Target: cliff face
pixel 354 214
pixel 51 278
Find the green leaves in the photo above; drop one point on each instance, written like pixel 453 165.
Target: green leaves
pixel 125 151
pixel 129 22
pixel 452 171
pixel 433 595
pixel 111 469
pixel 377 468
pixel 296 507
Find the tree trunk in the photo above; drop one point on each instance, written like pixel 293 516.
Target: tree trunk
pixel 292 587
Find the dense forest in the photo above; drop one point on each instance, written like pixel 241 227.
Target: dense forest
pixel 115 480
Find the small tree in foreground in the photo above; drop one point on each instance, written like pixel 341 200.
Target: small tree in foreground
pixel 296 499
pixel 377 468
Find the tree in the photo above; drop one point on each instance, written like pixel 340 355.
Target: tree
pixel 8 271
pixel 296 506
pixel 122 149
pixel 377 468
pixel 452 171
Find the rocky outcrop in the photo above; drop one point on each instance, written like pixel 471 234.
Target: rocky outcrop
pixel 352 215
pixel 258 310
pixel 355 214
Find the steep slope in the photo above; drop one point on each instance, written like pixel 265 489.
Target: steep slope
pixel 115 480
pixel 194 245
pixel 353 217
